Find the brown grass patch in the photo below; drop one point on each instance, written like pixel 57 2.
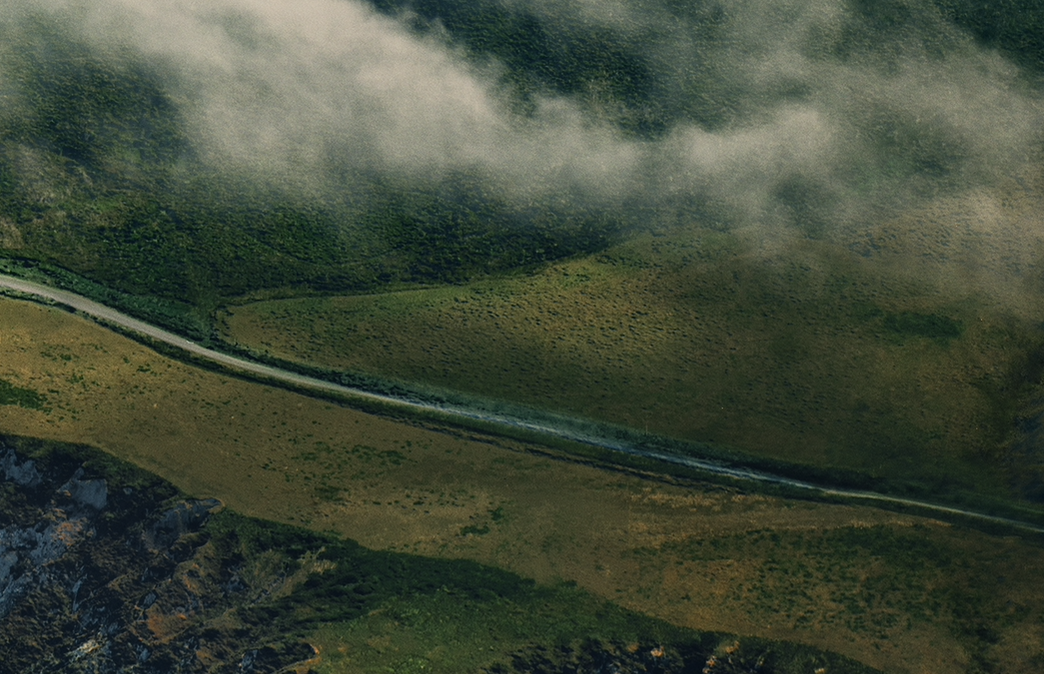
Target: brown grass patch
pixel 286 457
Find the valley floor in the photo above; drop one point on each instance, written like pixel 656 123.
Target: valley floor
pixel 896 592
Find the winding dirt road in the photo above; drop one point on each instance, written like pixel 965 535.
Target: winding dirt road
pixel 260 371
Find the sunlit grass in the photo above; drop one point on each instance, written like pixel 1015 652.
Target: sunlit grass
pixel 400 487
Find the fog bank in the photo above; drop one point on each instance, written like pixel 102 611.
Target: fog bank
pixel 768 114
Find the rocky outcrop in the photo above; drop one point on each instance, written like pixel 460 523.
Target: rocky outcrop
pixel 101 577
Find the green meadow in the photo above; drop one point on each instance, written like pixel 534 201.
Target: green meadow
pixel 811 355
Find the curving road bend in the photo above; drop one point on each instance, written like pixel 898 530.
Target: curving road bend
pixel 108 315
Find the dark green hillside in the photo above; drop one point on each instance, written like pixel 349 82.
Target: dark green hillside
pixel 631 72
pixel 98 175
pixel 1013 27
pixel 606 69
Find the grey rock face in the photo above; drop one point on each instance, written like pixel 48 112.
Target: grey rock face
pixel 179 520
pixel 102 575
pixel 91 493
pixel 23 474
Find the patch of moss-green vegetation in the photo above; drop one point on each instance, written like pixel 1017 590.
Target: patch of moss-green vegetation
pixel 321 461
pixel 882 580
pixel 381 611
pixel 552 631
pixel 474 530
pixel 930 326
pixel 792 564
pixel 22 397
pixel 172 314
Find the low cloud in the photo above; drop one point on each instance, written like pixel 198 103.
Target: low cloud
pixel 778 112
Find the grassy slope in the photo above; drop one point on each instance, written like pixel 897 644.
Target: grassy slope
pixel 897 592
pixel 811 355
pixel 289 583
pixel 897 364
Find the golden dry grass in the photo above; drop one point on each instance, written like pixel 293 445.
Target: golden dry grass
pixel 278 455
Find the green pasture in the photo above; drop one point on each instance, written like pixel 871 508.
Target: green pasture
pixel 811 356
